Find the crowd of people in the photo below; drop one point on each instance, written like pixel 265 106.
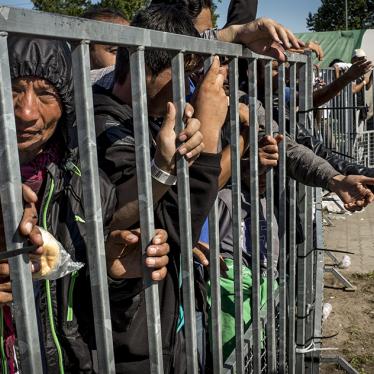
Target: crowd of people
pixel 43 97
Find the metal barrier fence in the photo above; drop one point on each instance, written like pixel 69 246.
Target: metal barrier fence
pixel 281 333
pixel 343 123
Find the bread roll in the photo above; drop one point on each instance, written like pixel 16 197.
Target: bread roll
pixel 50 259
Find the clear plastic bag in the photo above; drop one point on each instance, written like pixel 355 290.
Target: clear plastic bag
pixel 55 262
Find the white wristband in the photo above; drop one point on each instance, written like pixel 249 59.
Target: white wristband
pixel 162 176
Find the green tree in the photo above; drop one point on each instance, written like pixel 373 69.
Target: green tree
pixel 68 7
pixel 330 16
pixel 127 7
pixel 77 7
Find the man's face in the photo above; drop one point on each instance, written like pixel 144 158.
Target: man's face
pixel 204 21
pixel 159 92
pixel 160 86
pixel 101 55
pixel 37 109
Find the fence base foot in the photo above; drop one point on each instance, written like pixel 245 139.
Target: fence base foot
pixel 348 286
pixel 340 361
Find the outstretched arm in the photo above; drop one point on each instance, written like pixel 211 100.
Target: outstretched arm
pixel 264 36
pixel 357 70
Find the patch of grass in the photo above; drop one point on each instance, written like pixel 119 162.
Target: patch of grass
pixel 358 361
pixel 354 331
pixel 366 276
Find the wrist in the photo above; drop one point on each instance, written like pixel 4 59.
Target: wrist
pixel 229 34
pixel 162 164
pixel 162 176
pixel 334 182
pixel 211 139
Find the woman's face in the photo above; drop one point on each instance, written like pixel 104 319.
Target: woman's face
pixel 37 109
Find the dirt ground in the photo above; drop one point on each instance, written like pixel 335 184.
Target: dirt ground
pixel 352 316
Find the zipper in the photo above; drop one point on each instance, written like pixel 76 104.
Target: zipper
pixel 73 168
pixel 4 361
pixel 69 314
pixel 48 287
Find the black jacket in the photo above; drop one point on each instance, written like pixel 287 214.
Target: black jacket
pixel 241 12
pixel 116 150
pixel 62 208
pixel 62 214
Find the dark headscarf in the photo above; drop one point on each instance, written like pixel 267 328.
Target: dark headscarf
pixel 45 59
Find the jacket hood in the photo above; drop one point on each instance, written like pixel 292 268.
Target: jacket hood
pixel 49 60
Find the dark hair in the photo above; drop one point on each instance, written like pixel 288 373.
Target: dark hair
pixel 161 17
pixel 97 13
pixel 333 62
pixel 194 7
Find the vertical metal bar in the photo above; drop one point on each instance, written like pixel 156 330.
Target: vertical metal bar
pixel 185 220
pixel 92 206
pixel 236 215
pixel 215 274
pixel 12 210
pixel 143 162
pixel 346 122
pixel 309 280
pixel 318 304
pixel 364 104
pixel 372 98
pixel 270 323
pixel 255 226
pixel 355 103
pixel 352 134
pixel 341 127
pixel 302 248
pixel 331 115
pixel 334 115
pixel 342 119
pixel 282 222
pixel 327 122
pixel 292 235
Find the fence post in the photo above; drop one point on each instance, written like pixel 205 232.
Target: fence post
pixel 185 231
pixel 236 215
pixel 292 236
pixel 255 226
pixel 144 180
pixel 319 273
pixel 303 247
pixel 23 307
pixel 215 286
pixel 309 222
pixel 270 320
pixel 92 206
pixel 282 214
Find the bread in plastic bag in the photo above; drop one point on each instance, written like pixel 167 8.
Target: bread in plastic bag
pixel 55 262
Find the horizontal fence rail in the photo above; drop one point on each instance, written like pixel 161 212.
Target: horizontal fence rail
pixel 276 302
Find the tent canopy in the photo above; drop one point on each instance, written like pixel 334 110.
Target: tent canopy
pixel 335 44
